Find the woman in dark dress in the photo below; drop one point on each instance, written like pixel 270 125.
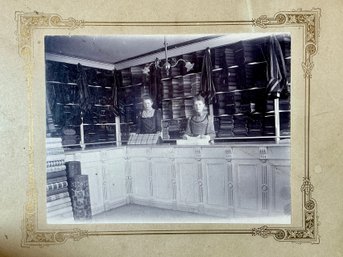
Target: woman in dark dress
pixel 149 120
pixel 200 124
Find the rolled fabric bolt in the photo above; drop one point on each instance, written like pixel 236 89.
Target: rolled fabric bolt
pixel 73 168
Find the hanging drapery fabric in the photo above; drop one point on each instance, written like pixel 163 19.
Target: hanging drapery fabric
pixel 114 96
pixel 116 81
pixel 83 89
pixel 277 72
pixel 207 86
pixel 50 126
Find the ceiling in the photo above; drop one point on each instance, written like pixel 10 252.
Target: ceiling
pixel 113 49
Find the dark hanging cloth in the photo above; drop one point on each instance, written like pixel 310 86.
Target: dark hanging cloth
pixel 85 103
pixel 277 73
pixel 114 97
pixel 207 86
pixel 50 126
pixel 85 96
pixel 116 84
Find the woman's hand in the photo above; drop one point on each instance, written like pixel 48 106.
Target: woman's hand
pixel 205 137
pixel 185 136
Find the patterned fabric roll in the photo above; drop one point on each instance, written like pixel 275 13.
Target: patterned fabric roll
pixel 80 198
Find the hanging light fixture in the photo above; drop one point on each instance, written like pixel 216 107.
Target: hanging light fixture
pixel 167 64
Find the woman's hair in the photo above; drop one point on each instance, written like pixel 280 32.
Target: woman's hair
pixel 147 97
pixel 198 98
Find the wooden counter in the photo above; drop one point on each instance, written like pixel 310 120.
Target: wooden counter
pixel 224 180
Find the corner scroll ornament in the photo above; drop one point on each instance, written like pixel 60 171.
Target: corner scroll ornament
pixel 27 22
pixel 32 236
pixel 307 233
pixel 309 20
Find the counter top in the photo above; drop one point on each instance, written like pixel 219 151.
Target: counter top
pixel 168 145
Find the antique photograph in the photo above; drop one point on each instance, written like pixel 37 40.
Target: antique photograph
pixel 168 128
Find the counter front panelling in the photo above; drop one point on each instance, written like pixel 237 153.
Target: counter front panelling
pixel 229 181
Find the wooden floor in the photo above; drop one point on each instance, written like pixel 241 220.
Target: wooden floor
pixel 142 214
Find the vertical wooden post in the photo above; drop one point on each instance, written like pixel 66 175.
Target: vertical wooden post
pixel 277 118
pixel 118 133
pixel 82 135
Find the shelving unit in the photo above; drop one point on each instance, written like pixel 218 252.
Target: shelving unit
pixel 241 108
pixel 75 89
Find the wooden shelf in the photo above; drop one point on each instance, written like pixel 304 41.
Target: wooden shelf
pixel 179 76
pixel 129 86
pixel 177 98
pixel 61 83
pixel 239 90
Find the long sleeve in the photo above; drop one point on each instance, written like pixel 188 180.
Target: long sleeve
pixel 158 120
pixel 139 123
pixel 188 131
pixel 210 128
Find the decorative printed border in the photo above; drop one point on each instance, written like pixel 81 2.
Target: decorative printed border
pixel 308 21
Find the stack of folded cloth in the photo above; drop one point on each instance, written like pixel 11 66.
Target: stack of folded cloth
pixel 255 74
pixel 101 132
pixel 199 56
pixel 187 86
pixel 177 87
pixel 240 125
pixel 255 126
pixel 236 98
pixel 90 134
pixel 167 111
pixel 188 107
pixel 111 133
pixel 167 88
pixel 285 43
pixel 58 199
pixel 247 52
pixel 195 83
pixel 242 108
pixel 229 54
pixel 175 71
pixel 126 77
pixel 129 96
pixel 285 124
pixel 178 107
pixel 136 74
pixel 218 56
pixel 233 80
pixel 254 96
pixel 288 69
pixel 220 105
pixel 269 125
pixel 69 136
pixel 270 105
pixel 220 80
pixel 284 104
pixel 165 130
pixel 226 126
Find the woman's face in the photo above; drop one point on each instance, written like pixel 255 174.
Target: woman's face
pixel 199 106
pixel 147 104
